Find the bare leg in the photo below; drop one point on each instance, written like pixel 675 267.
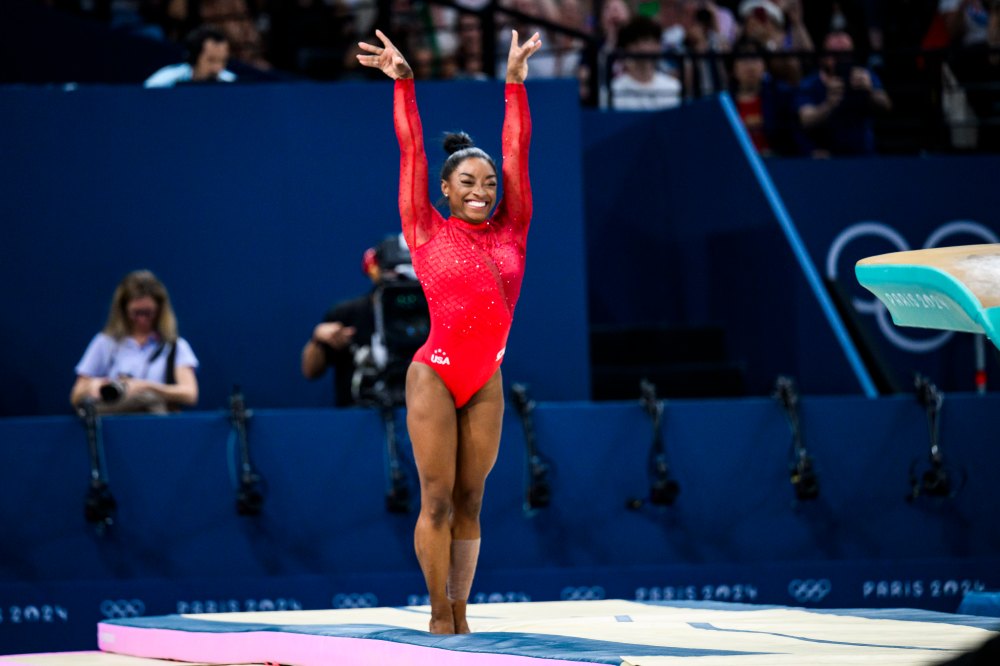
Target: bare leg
pixel 432 423
pixel 479 425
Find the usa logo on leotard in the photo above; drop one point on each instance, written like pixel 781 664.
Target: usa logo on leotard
pixel 501 353
pixel 440 357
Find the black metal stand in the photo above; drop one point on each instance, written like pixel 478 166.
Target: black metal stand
pixel 538 491
pixel 397 489
pixel 801 473
pixel 934 480
pixel 99 504
pixel 249 495
pixel 663 489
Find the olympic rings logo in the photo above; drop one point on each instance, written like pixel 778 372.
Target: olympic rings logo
pixel 809 589
pixel 582 593
pixel 354 600
pixel 111 608
pixel 897 243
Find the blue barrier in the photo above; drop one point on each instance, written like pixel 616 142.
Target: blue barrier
pixel 325 539
pixel 980 602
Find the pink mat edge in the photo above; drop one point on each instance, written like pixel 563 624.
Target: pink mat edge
pixel 9 659
pixel 304 649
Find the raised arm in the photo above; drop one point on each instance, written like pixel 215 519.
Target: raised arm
pixel 516 204
pixel 415 209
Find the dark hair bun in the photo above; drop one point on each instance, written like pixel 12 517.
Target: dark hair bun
pixel 457 141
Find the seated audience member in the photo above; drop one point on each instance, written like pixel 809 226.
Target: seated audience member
pixel 766 105
pixel 206 58
pixel 837 105
pixel 640 85
pixel 344 339
pixel 138 363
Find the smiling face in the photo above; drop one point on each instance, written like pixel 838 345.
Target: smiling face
pixel 471 190
pixel 141 314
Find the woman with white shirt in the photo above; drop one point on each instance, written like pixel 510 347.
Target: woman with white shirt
pixel 138 363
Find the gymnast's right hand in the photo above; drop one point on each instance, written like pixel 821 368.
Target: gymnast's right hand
pixel 386 58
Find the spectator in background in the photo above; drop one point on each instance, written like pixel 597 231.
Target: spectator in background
pixel 855 17
pixel 423 60
pixel 233 18
pixel 554 60
pixel 837 105
pixel 641 86
pixel 765 105
pixel 670 15
pixel 567 49
pixel 726 24
pixel 469 54
pixel 704 73
pixel 206 56
pixel 967 21
pixel 138 363
pixel 780 29
pixel 764 22
pixel 615 15
pixel 439 35
pixel 972 28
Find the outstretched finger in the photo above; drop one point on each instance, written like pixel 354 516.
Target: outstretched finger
pixel 385 40
pixel 371 48
pixel 534 43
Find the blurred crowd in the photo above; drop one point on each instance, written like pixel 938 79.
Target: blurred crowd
pixel 808 76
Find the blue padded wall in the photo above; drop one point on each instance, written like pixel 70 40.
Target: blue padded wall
pixel 325 539
pixel 679 233
pixel 254 204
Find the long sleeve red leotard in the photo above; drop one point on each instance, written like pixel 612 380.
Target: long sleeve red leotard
pixel 471 273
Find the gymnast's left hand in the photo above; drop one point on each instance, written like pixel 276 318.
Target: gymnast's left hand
pixel 517 59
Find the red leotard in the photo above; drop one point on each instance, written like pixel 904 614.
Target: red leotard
pixel 471 273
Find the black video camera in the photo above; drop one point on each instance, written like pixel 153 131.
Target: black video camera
pixel 402 323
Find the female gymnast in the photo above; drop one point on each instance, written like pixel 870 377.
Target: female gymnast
pixel 470 266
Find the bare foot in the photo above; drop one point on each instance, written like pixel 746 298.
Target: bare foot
pixel 442 619
pixel 458 612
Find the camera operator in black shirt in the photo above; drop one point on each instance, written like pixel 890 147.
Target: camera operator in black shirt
pixel 369 340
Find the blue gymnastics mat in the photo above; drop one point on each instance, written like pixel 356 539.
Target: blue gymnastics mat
pixel 616 632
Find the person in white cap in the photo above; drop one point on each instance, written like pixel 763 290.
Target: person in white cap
pixel 779 28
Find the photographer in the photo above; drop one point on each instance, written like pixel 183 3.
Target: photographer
pixel 138 363
pixel 369 340
pixel 837 105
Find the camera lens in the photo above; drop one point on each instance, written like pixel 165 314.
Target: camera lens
pixel 112 391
